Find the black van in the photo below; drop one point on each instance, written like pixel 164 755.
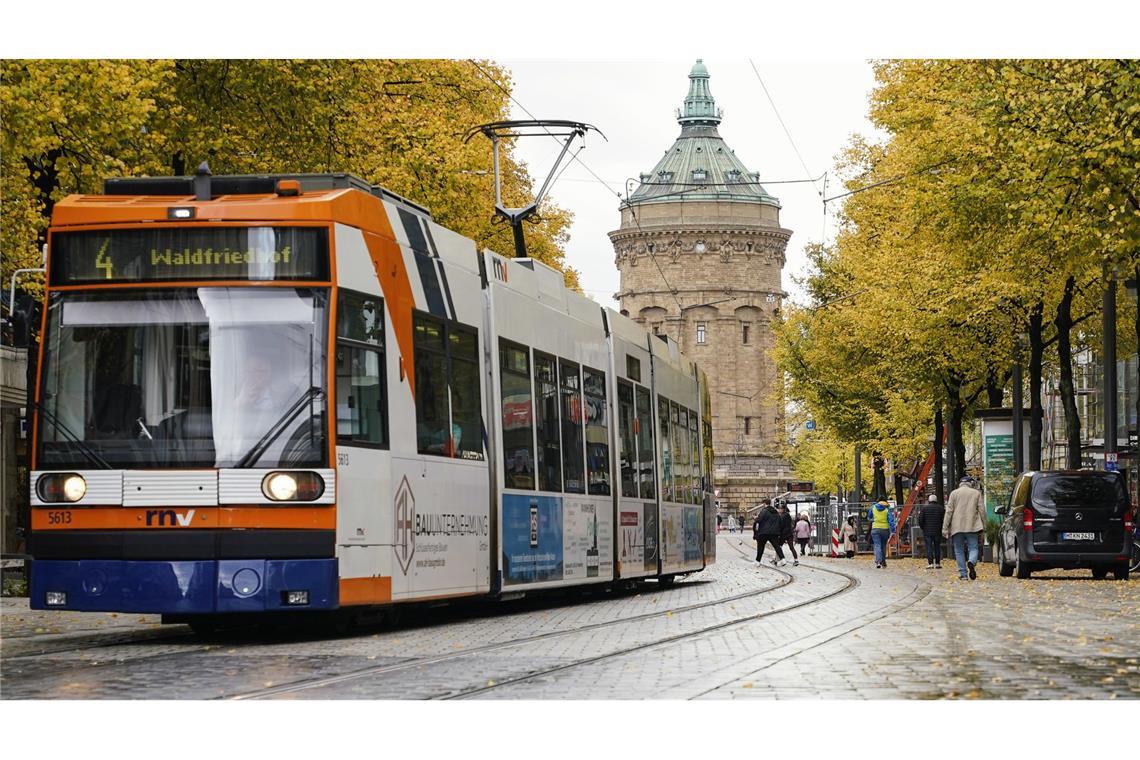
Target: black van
pixel 1066 519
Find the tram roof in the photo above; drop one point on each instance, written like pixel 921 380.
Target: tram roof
pixel 255 184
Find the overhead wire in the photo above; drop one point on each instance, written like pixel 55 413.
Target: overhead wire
pixel 784 126
pixel 624 201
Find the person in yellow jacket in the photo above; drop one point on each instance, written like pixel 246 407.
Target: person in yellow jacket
pixel 965 519
pixel 882 526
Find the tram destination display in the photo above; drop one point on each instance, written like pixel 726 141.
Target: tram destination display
pixel 189 253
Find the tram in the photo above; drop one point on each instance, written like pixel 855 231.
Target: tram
pixel 298 392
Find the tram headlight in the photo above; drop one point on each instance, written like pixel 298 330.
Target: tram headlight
pixel 61 487
pixel 293 486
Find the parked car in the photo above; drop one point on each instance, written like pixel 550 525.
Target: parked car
pixel 1066 519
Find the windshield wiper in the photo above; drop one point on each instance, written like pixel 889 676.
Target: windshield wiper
pixel 278 427
pixel 72 438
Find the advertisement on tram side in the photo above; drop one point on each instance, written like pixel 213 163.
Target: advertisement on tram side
pixel 673 538
pixel 631 551
pixel 652 550
pixel 532 538
pixel 693 551
pixel 587 549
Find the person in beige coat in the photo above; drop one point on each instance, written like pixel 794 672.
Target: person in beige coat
pixel 965 519
pixel 847 534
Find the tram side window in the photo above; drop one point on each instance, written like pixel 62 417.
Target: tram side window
pixel 518 436
pixel 361 401
pixel 433 434
pixel 666 452
pixel 597 433
pixel 546 420
pixel 695 459
pixel 682 486
pixel 707 433
pixel 573 464
pixel 644 430
pixel 448 421
pixel 626 428
pixel 681 446
pixel 464 386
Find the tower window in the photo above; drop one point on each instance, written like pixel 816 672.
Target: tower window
pixel 701 332
pixel 748 426
pixel 744 334
pixel 699 175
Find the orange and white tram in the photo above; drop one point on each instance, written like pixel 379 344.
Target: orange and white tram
pixel 268 393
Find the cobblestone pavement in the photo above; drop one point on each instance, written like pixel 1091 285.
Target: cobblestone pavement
pixel 732 631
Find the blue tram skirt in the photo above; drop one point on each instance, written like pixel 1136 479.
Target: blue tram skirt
pixel 188 587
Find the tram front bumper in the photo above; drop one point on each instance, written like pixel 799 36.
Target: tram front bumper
pixel 183 587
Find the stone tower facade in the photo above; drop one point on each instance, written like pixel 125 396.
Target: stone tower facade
pixel 700 251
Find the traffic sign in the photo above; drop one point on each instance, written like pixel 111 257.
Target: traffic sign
pixel 809 425
pixel 1111 461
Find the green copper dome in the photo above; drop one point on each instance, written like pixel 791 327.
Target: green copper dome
pixel 699 165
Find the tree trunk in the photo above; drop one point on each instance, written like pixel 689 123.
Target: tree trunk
pixel 995 390
pixel 939 487
pixel 1036 412
pixel 1064 324
pixel 956 443
pixel 958 413
pixel 879 478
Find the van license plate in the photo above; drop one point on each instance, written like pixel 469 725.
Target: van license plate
pixel 1078 536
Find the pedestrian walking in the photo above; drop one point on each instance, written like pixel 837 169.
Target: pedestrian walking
pixel 787 532
pixel 766 530
pixel 803 533
pixel 882 526
pixel 847 533
pixel 965 518
pixel 930 520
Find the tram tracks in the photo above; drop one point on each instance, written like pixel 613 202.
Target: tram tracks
pixel 422 662
pixel 390 674
pixel 851 584
pixel 112 640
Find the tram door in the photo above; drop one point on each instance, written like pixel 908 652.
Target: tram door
pixel 363 460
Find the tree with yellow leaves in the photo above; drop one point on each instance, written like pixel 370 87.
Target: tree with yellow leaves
pixel 67 125
pixel 1004 191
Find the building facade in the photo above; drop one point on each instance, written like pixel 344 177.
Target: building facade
pixel 700 251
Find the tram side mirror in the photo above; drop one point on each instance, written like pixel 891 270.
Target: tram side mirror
pixel 1003 510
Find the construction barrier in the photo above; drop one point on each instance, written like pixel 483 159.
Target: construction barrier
pixel 835 542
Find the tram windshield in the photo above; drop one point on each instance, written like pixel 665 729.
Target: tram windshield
pixel 188 377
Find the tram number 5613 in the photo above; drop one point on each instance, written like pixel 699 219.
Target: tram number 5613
pixel 59 518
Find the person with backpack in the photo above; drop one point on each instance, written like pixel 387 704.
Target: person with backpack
pixel 803 533
pixel 766 530
pixel 882 526
pixel 930 520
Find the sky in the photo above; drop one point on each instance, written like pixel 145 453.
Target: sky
pixel 633 103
